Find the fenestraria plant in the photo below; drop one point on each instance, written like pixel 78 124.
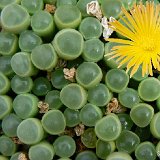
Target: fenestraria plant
pixel 141 27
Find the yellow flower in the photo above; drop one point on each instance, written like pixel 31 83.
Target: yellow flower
pixel 142 46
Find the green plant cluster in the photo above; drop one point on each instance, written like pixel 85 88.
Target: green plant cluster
pixel 48 112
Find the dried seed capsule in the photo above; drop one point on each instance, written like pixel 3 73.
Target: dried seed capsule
pixel 53 122
pixel 28 40
pixel 8 43
pixel 68 44
pixel 22 65
pixel 73 96
pixel 32 6
pixel 25 105
pixel 43 61
pixel 67 16
pixel 30 131
pixel 10 124
pixel 15 18
pixel 42 23
pixel 21 84
pixel 7 146
pixel 88 74
pixel 41 151
pixel 90 27
pixel 64 146
pixel 6 106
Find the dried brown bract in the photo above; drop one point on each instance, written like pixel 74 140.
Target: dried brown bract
pixel 22 156
pixel 79 130
pixel 43 107
pixel 114 107
pixel 93 8
pixel 16 140
pixel 70 132
pixel 69 74
pixel 50 8
pixel 80 146
pixel 61 64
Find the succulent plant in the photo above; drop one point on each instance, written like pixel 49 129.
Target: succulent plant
pixel 75 80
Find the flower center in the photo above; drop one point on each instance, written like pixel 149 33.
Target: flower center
pixel 148 48
pixel 148 44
